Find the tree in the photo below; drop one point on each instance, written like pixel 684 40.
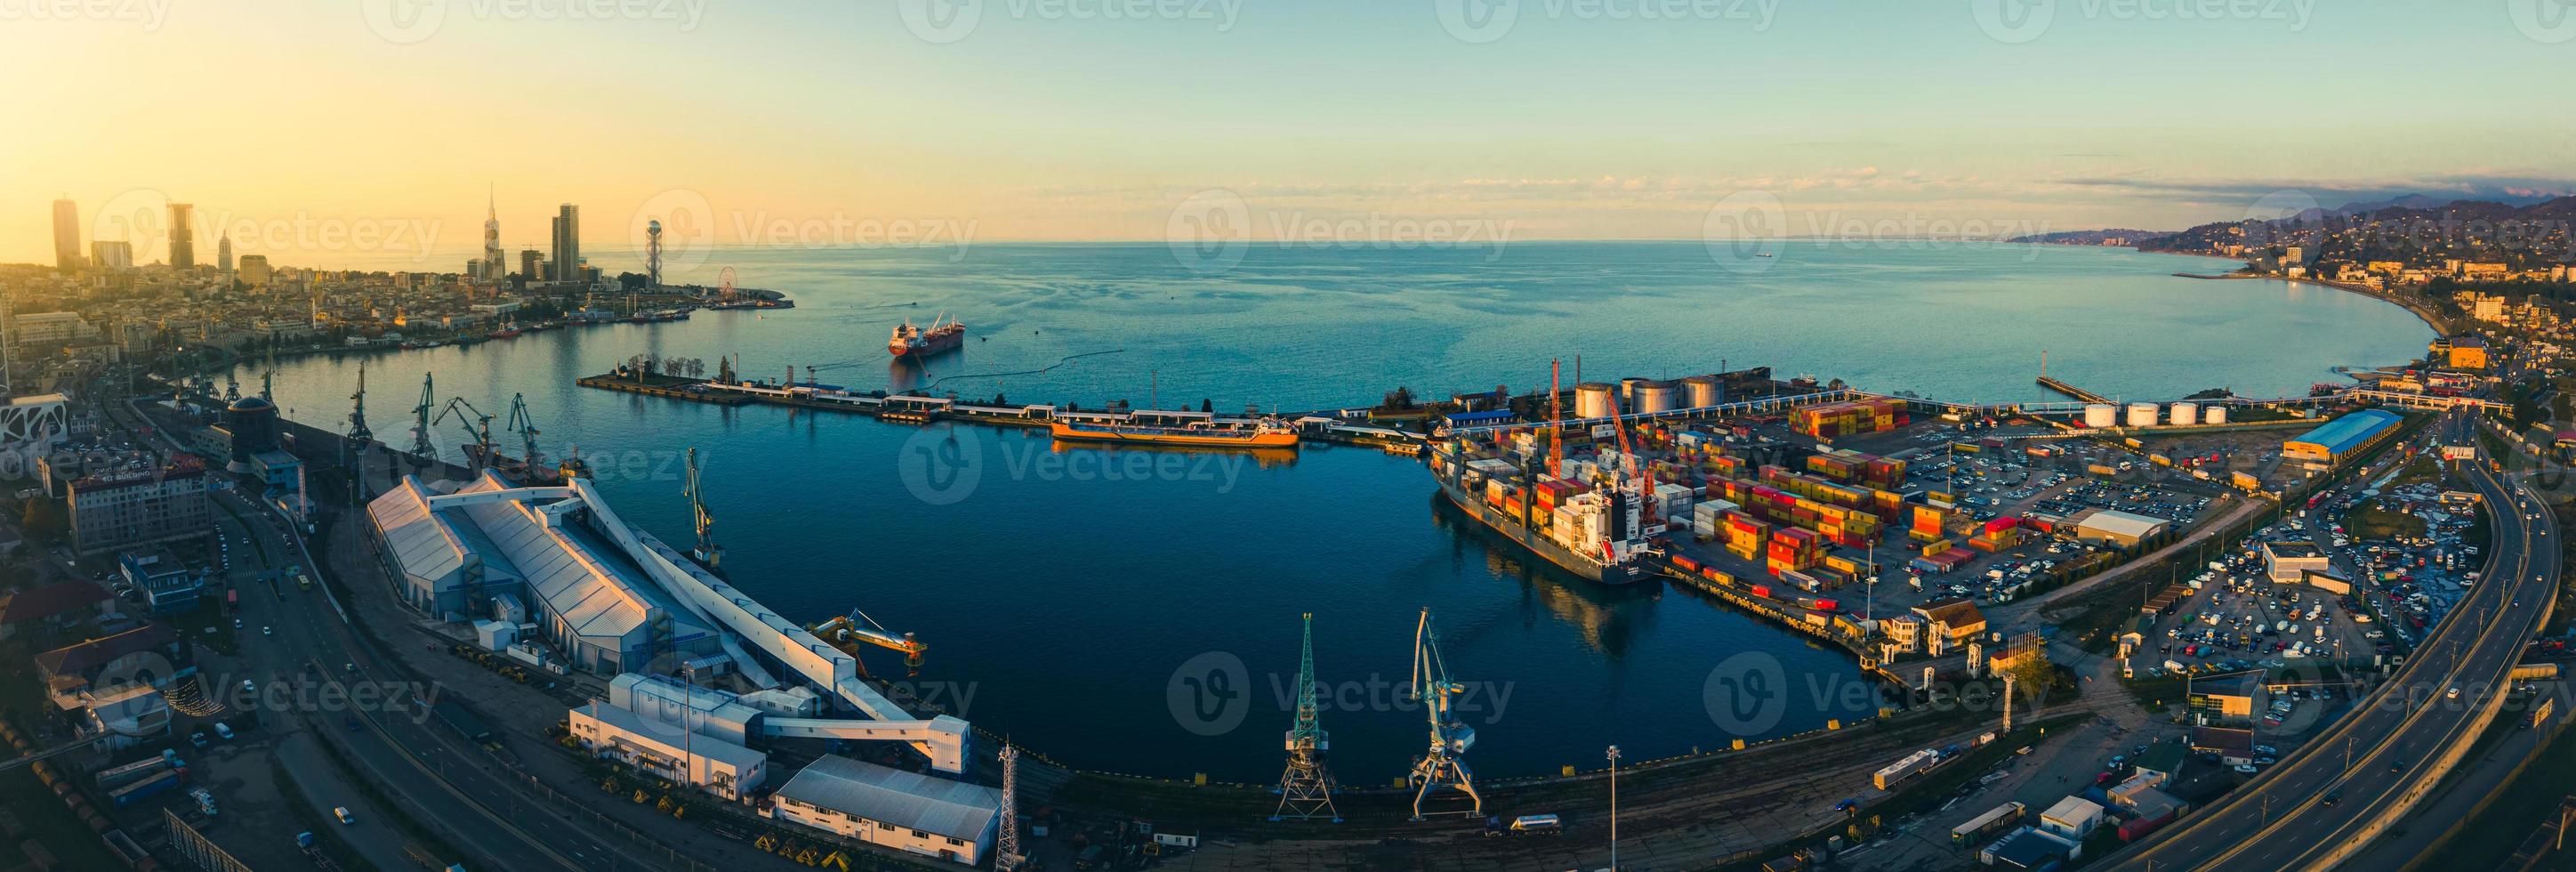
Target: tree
pixel 42 520
pixel 1400 398
pixel 2033 673
pixel 1207 405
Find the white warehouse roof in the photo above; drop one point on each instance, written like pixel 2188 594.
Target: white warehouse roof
pixel 860 789
pixel 2119 523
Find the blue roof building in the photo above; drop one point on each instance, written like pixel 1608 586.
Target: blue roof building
pixel 2336 439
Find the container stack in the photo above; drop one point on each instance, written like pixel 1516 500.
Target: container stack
pixel 1845 419
pixel 1744 536
pixel 1930 523
pixel 1794 549
pixel 1999 534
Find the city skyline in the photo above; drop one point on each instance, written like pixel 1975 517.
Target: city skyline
pixel 871 118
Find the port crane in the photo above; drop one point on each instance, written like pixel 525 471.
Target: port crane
pixel 479 429
pixel 1445 764
pixel 1306 789
pixel 707 552
pixel 844 632
pixel 422 450
pixel 524 424
pixel 359 437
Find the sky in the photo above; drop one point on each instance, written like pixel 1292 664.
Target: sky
pixel 343 132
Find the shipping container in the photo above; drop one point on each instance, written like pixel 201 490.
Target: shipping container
pixel 144 789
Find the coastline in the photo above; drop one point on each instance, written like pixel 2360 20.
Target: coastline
pixel 2416 305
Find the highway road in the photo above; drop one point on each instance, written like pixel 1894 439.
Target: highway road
pixel 415 760
pixel 2311 808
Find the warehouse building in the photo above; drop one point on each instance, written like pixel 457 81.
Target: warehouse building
pixel 907 811
pixel 452 553
pixel 2289 562
pixel 717 766
pixel 2335 440
pixel 2115 528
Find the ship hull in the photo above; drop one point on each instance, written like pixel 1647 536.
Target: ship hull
pixel 1254 440
pixel 1535 543
pixel 937 343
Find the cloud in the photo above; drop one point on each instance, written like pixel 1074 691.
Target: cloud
pixel 2512 187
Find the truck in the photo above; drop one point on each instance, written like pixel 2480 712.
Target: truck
pixel 144 789
pixel 1985 826
pixel 2137 828
pixel 1912 765
pixel 1525 825
pixel 129 773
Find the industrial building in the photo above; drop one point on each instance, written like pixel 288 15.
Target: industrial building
pixel 2113 527
pixel 719 767
pixel 2335 440
pixel 2289 562
pixel 950 820
pixel 557 564
pixel 453 552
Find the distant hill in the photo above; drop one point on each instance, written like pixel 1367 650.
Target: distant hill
pixel 2112 236
pixel 2415 229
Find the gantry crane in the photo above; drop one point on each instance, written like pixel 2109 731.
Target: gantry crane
pixel 708 552
pixel 422 450
pixel 359 437
pixel 1445 764
pixel 524 424
pixel 1306 788
pixel 479 429
pixel 844 632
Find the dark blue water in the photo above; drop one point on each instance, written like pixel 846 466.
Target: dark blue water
pixel 1081 601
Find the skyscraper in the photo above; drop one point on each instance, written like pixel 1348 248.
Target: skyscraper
pixel 224 253
pixel 532 265
pixel 67 255
pixel 496 266
pixel 183 242
pixel 567 242
pixel 255 271
pixel 111 254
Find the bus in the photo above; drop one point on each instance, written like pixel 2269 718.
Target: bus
pixel 1983 826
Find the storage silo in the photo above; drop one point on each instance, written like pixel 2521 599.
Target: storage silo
pixel 1593 400
pixel 2101 416
pixel 2214 415
pixel 2184 414
pixel 1655 396
pixel 1628 390
pixel 2142 414
pixel 1703 391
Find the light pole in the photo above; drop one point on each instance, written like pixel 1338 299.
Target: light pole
pixel 1614 808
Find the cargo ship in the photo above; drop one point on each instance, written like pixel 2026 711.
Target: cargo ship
pixel 1617 514
pixel 911 341
pixel 1265 434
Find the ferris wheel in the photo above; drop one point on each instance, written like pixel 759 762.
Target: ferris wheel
pixel 724 282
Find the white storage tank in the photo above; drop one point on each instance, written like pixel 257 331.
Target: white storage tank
pixel 2214 415
pixel 2184 414
pixel 1703 391
pixel 2142 414
pixel 1593 400
pixel 1628 391
pixel 1655 396
pixel 2101 415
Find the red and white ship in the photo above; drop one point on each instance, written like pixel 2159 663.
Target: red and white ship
pixel 942 336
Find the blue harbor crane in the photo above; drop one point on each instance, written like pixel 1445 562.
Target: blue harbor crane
pixel 1445 764
pixel 1306 789
pixel 422 450
pixel 708 552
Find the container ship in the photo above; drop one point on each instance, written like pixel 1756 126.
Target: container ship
pixel 911 341
pixel 1265 434
pixel 1588 533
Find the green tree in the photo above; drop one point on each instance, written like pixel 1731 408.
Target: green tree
pixel 42 520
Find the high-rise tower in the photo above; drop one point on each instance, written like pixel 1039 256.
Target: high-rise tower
pixel 183 241
pixel 495 265
pixel 567 252
pixel 67 256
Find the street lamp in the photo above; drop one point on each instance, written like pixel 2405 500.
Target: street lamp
pixel 1614 808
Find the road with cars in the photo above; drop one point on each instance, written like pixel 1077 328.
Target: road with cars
pixel 2313 808
pixel 297 640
